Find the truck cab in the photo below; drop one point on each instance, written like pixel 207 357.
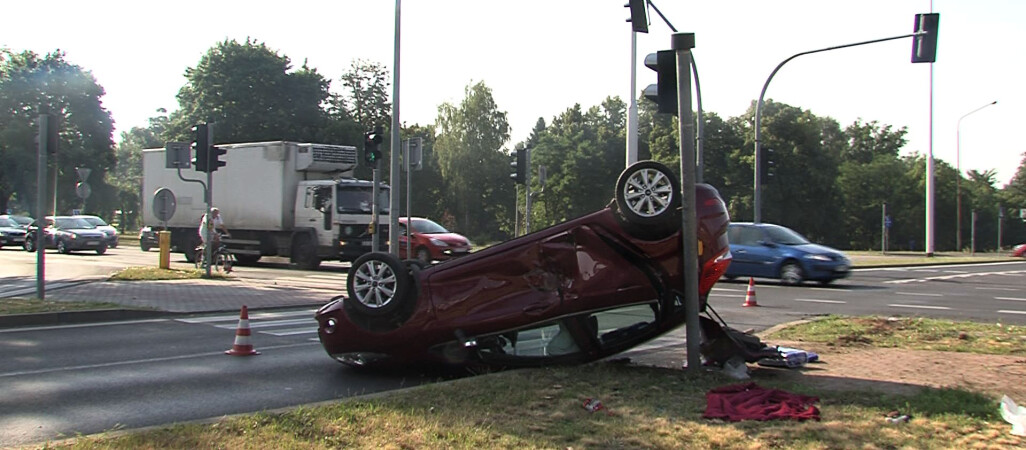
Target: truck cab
pixel 337 213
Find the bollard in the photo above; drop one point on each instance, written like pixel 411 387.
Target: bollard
pixel 164 240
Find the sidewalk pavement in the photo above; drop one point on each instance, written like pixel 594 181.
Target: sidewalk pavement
pixel 170 297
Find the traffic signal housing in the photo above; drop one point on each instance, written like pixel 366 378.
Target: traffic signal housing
pixel 519 166
pixel 924 45
pixel 372 147
pixel 201 148
pixel 664 93
pixel 215 158
pixel 50 128
pixel 639 15
pixel 768 165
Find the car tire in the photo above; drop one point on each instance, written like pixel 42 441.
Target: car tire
pixel 144 247
pixel 648 196
pixel 378 285
pixel 62 247
pixel 791 273
pixel 101 249
pixel 247 260
pixel 29 245
pixel 304 254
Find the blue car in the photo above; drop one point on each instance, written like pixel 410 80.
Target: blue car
pixel 771 251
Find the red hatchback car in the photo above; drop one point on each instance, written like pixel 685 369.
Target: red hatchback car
pixel 431 241
pixel 575 292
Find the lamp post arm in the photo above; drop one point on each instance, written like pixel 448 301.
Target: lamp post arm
pixel 756 195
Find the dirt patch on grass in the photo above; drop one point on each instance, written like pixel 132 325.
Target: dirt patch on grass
pixel 902 371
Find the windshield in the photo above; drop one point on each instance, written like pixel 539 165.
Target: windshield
pixel 22 220
pixel 72 223
pixel 358 200
pixel 784 236
pixel 94 221
pixel 428 227
pixel 5 222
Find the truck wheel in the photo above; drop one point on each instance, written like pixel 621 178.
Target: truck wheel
pixel 247 260
pixel 304 254
pixel 648 197
pixel 378 285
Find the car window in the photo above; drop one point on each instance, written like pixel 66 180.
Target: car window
pixel 4 222
pixel 428 227
pixel 744 235
pixel 95 221
pixel 785 236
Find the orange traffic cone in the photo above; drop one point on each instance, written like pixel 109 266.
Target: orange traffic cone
pixel 242 347
pixel 750 296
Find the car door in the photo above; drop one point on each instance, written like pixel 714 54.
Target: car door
pixel 744 246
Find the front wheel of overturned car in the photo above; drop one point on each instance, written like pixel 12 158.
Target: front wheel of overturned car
pixel 378 285
pixel 648 197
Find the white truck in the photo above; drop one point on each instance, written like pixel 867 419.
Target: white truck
pixel 288 199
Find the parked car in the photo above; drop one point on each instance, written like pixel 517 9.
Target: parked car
pixel 1019 250
pixel 571 293
pixel 431 241
pixel 771 251
pixel 67 234
pixel 11 233
pixel 109 231
pixel 22 221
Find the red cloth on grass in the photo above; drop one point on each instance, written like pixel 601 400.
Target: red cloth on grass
pixel 750 401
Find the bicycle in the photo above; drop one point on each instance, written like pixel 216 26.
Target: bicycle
pixel 223 259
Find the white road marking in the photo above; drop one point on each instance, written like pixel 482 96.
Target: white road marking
pixel 960 275
pixel 1014 299
pixel 829 289
pixel 254 316
pixel 998 289
pixel 816 300
pixel 897 305
pixel 273 323
pixel 1006 311
pixel 291 332
pixel 920 294
pixel 81 325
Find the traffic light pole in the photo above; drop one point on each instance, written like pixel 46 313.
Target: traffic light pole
pixel 208 250
pixel 757 193
pixel 682 43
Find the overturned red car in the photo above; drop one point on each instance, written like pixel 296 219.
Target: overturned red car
pixel 575 292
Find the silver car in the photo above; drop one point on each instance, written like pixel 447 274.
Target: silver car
pixel 110 232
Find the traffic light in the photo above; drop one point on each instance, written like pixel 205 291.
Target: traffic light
pixel 639 15
pixel 519 166
pixel 51 129
pixel 201 147
pixel 924 46
pixel 215 158
pixel 665 92
pixel 371 147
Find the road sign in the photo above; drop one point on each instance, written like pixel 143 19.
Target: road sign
pixel 177 155
pixel 164 204
pixel 83 190
pixel 887 221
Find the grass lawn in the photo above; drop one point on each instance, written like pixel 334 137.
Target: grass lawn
pixel 645 407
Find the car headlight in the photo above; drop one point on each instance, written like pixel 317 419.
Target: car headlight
pixel 818 257
pixel 3 233
pixel 439 242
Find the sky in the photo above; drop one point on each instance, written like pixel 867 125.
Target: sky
pixel 540 57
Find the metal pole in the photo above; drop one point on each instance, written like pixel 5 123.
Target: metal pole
pixel 394 177
pixel 958 180
pixel 375 214
pixel 208 250
pixel 41 173
pixel 1001 218
pixel 699 177
pixel 972 239
pixel 682 43
pixel 632 111
pixel 527 188
pixel 883 228
pixel 409 212
pixel 516 209
pixel 757 194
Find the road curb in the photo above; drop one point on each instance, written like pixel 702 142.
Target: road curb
pixel 111 315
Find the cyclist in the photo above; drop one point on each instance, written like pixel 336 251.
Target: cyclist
pixel 216 223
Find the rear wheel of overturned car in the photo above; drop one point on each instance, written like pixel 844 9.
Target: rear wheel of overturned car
pixel 378 285
pixel 648 197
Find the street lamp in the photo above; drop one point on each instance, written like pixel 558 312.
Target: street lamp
pixel 958 180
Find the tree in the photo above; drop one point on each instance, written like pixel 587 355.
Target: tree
pixel 470 158
pixel 367 95
pixel 126 178
pixel 252 94
pixel 29 86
